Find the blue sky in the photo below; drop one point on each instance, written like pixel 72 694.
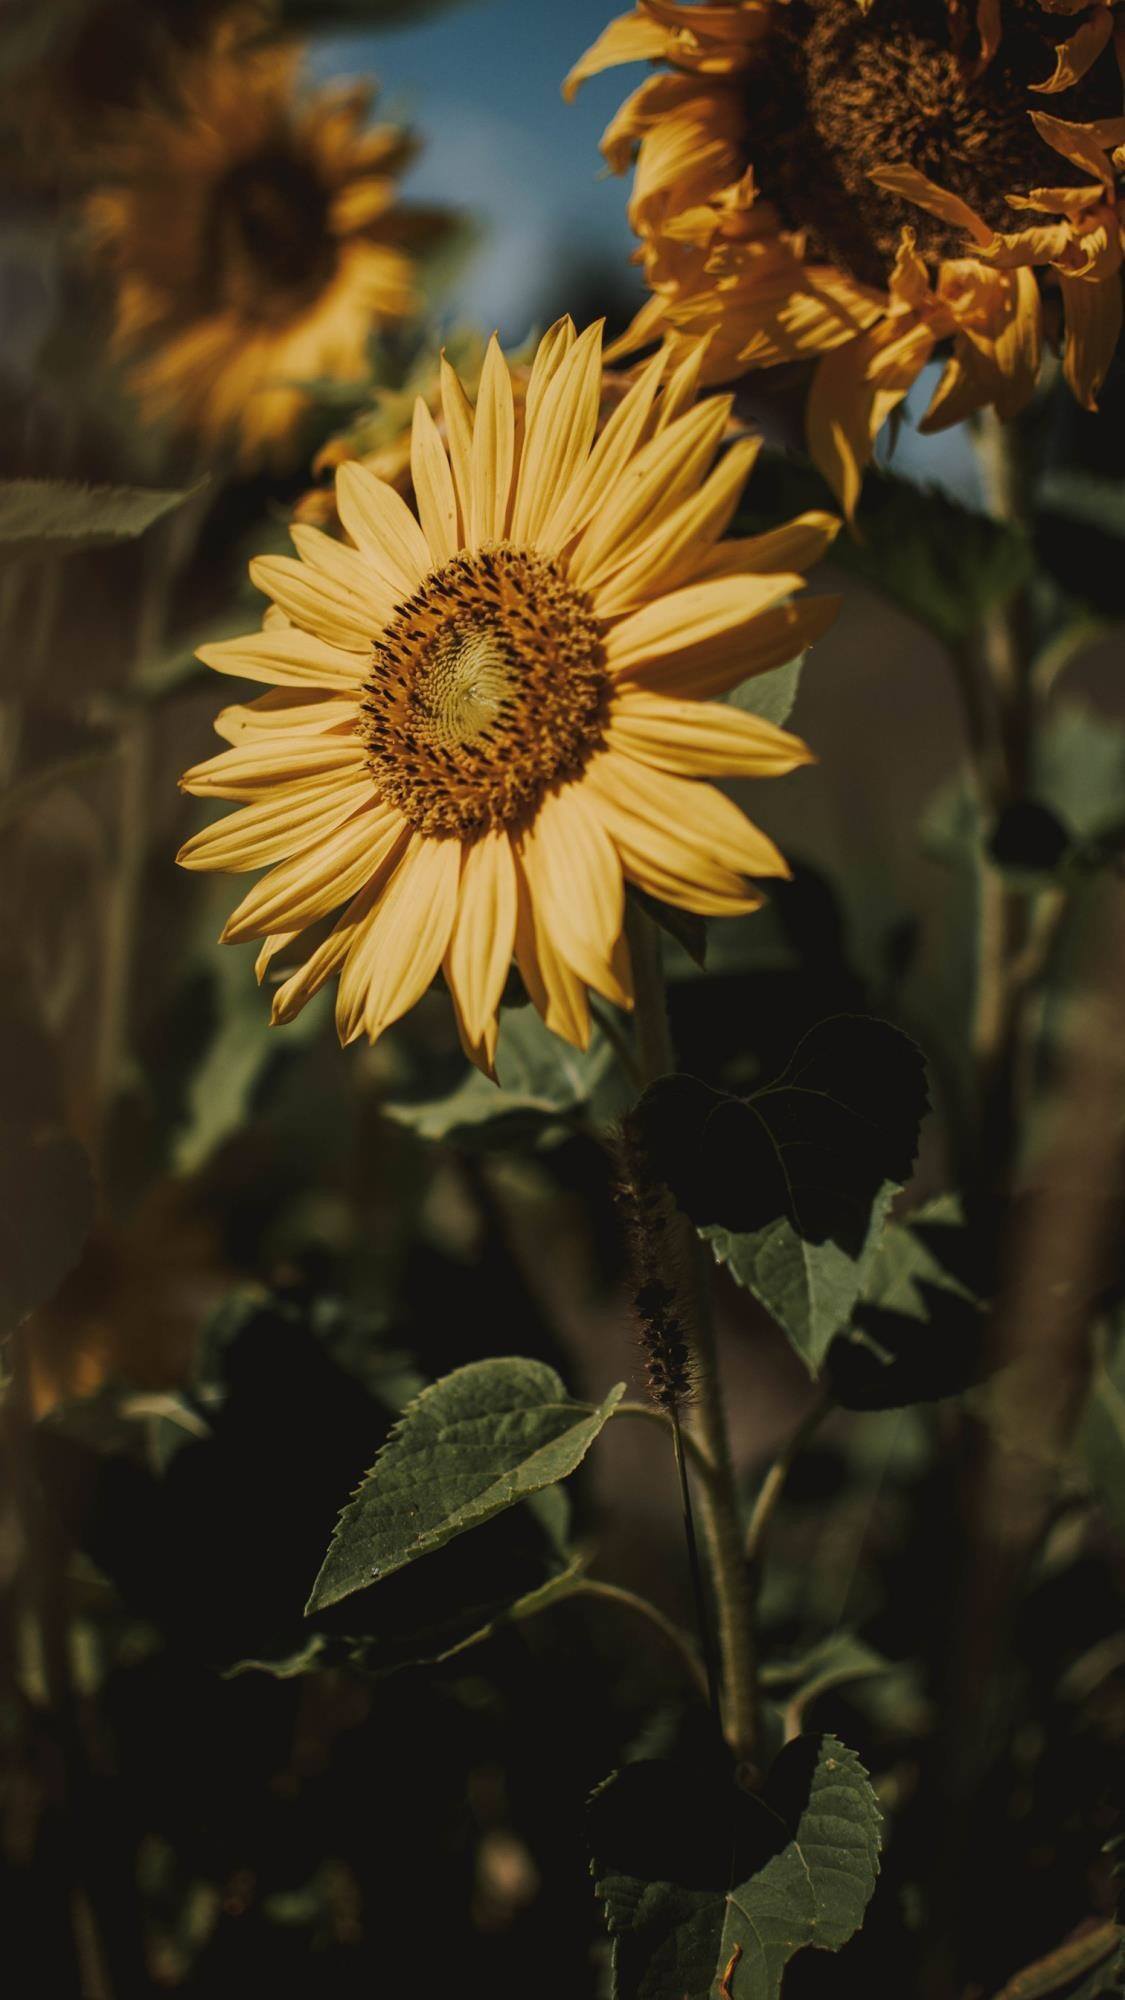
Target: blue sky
pixel 482 84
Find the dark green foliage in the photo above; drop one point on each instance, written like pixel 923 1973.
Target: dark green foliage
pixel 704 1883
pixel 793 1183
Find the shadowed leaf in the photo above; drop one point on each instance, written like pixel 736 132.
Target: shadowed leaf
pixel 705 1884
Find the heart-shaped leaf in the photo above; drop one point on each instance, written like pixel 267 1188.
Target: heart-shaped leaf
pixel 792 1185
pixel 707 1889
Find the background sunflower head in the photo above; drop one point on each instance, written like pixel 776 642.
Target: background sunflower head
pixel 812 174
pixel 256 242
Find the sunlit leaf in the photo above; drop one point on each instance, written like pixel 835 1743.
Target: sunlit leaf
pixel 475 1443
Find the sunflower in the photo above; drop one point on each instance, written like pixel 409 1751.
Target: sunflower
pixel 256 244
pixel 488 716
pixel 852 187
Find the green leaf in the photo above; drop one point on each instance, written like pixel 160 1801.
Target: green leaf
pixel 541 1083
pixel 240 1054
pixel 46 1211
pixel 918 1328
pixel 687 929
pixel 49 517
pixel 792 1185
pixel 773 694
pixel 705 1886
pixel 808 1288
pixel 473 1444
pixel 941 561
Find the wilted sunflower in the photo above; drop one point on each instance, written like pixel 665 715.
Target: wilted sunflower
pixel 817 179
pixel 256 244
pixel 488 717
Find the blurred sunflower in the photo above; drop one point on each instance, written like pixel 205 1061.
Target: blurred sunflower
pixel 848 185
pixel 485 718
pixel 256 243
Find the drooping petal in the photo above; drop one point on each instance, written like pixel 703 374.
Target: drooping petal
pixel 634 37
pixel 311 885
pixel 556 992
pixel 1093 327
pixel 575 879
pixel 484 931
pixel 1080 53
pixel 400 945
pixel 847 409
pixel 677 818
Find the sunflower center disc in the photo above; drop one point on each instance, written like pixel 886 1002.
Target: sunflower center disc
pixel 838 92
pixel 270 244
pixel 487 688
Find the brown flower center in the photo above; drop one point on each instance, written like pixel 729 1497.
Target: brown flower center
pixel 838 93
pixel 268 246
pixel 487 688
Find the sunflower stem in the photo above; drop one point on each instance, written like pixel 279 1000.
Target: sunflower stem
pixel 720 1510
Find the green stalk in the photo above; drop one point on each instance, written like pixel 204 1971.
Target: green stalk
pixel 722 1527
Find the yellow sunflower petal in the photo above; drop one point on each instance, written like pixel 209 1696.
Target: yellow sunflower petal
pixel 698 739
pixel 262 765
pixel 620 438
pixel 678 872
pixel 737 654
pixel 549 357
pixel 484 931
pixel 797 544
pixel 682 820
pixel 575 879
pixel 327 959
pixel 679 547
pixel 283 710
pixel 458 413
pixel 560 432
pixel 649 487
pixel 274 827
pixel 1075 57
pixel 315 601
pixel 493 449
pixel 383 528
pixel 847 410
pixel 400 944
pixel 313 884
pixel 287 657
pixel 634 37
pixel 434 490
pixel 692 617
pixel 1093 326
pixel 910 185
pixel 556 992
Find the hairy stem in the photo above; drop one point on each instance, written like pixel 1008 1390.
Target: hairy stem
pixel 719 1495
